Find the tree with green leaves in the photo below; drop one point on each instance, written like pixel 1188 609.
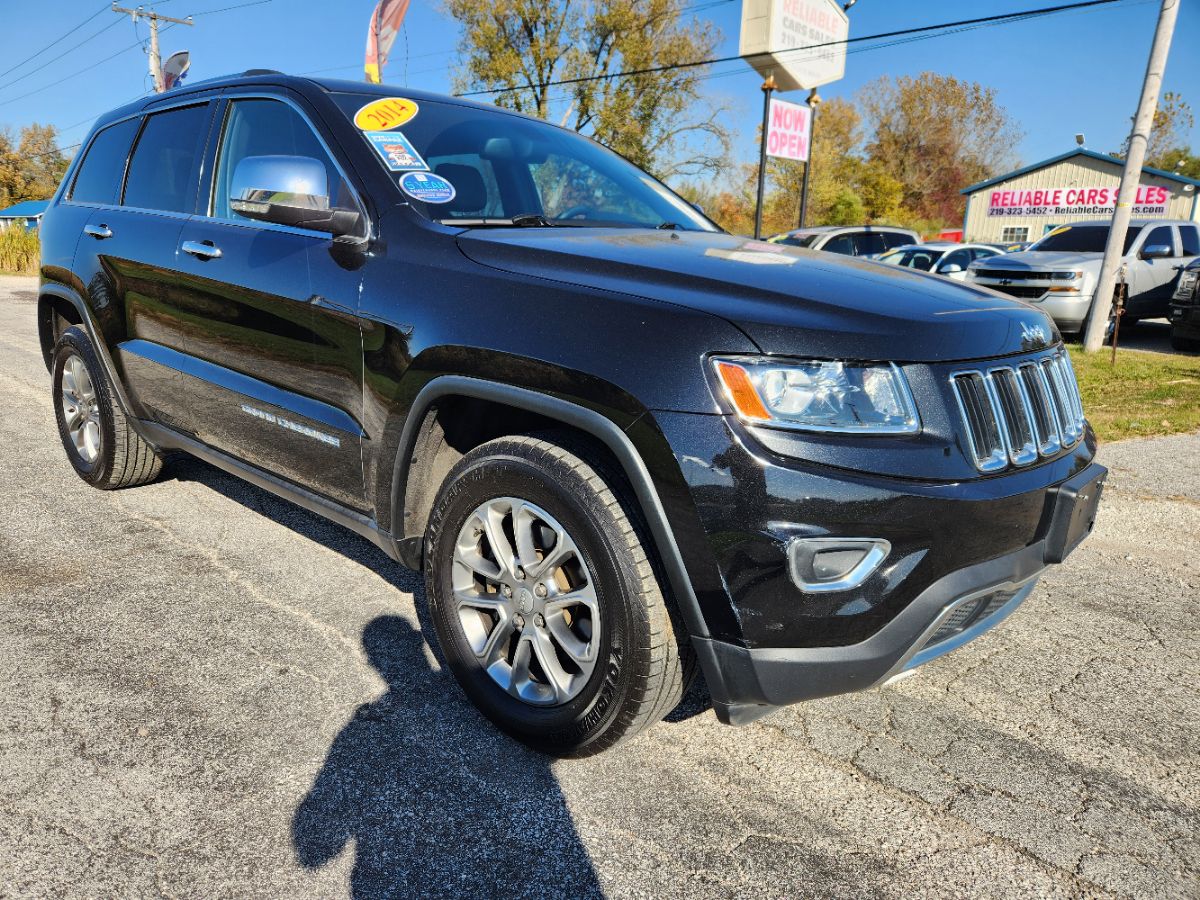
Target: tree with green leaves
pixel 657 120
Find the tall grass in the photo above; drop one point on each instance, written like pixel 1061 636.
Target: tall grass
pixel 19 251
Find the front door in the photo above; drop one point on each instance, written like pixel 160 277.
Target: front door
pixel 274 368
pixel 1152 281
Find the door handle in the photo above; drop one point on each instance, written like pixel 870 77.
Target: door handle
pixel 99 232
pixel 201 249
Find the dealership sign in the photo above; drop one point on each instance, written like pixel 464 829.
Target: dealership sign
pixel 1151 200
pixel 799 42
pixel 787 130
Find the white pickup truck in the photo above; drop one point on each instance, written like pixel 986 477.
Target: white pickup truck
pixel 1058 274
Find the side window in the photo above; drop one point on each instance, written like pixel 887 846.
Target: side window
pixel 982 253
pixel 262 127
pixel 1162 234
pixel 869 242
pixel 1189 236
pixel 843 244
pixel 100 173
pixel 897 239
pixel 162 173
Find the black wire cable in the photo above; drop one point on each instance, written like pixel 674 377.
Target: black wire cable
pixel 55 41
pixel 1027 14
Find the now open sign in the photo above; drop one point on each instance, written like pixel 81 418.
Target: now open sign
pixel 788 130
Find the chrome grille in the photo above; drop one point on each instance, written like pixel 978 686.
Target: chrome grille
pixel 1014 415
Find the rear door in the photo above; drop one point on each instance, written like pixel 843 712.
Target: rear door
pixel 128 257
pixel 274 349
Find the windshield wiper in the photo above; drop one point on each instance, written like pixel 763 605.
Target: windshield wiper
pixel 668 226
pixel 523 220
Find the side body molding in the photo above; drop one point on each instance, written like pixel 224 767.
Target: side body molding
pixel 584 419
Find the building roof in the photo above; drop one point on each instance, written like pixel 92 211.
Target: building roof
pixel 28 209
pixel 1078 151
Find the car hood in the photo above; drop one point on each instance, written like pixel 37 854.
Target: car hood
pixel 1042 260
pixel 788 300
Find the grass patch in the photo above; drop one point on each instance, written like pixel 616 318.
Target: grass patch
pixel 19 251
pixel 1144 394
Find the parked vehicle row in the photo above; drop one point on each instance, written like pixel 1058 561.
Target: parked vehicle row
pixel 622 445
pixel 855 240
pixel 1059 272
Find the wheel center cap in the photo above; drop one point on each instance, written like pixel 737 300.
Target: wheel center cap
pixel 525 600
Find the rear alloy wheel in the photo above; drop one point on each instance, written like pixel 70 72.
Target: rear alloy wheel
pixel 546 606
pixel 101 445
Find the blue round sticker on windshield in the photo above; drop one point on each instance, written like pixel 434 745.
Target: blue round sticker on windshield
pixel 427 187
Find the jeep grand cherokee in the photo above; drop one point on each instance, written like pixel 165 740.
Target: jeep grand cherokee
pixel 621 444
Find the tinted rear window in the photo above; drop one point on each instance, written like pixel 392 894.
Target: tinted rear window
pixel 1190 236
pixel 99 178
pixel 162 171
pixel 1083 239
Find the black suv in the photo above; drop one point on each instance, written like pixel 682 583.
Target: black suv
pixel 622 444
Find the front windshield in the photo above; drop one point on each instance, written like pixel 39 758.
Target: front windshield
pixel 1082 239
pixel 502 166
pixel 921 258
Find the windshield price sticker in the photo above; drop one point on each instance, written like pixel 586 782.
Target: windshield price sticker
pixel 386 114
pixel 427 187
pixel 395 150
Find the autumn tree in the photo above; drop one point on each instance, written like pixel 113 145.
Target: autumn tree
pixel 935 134
pixel 657 120
pixel 31 165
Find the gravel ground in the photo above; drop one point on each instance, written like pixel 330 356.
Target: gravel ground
pixel 208 692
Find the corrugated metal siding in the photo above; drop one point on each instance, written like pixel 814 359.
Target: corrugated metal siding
pixel 1077 172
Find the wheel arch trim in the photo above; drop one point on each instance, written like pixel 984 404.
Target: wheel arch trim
pixel 576 416
pixel 62 292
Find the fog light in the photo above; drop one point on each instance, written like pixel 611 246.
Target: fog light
pixel 834 564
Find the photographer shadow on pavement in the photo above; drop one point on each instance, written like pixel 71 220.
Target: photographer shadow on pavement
pixel 434 799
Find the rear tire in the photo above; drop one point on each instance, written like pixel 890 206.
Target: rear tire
pixel 101 445
pixel 1188 345
pixel 637 661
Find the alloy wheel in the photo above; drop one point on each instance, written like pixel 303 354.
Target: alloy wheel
pixel 81 408
pixel 526 601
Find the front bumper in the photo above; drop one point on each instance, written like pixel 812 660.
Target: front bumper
pixel 1185 320
pixel 952 543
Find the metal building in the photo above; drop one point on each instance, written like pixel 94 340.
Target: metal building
pixel 1076 186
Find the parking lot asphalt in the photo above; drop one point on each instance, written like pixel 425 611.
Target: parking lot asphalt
pixel 209 692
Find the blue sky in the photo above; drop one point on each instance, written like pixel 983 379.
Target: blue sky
pixel 1076 71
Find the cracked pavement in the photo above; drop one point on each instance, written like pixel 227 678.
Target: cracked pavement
pixel 209 692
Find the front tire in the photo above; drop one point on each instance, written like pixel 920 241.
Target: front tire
pixel 100 443
pixel 1188 345
pixel 546 605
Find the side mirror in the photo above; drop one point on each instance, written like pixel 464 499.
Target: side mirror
pixel 950 269
pixel 1156 251
pixel 288 190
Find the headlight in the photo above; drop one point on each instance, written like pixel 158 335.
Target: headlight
pixel 819 396
pixel 1067 276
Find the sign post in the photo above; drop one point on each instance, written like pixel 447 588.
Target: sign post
pixel 793 44
pixel 768 88
pixel 813 100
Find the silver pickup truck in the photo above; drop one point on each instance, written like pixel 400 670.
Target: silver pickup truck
pixel 1058 274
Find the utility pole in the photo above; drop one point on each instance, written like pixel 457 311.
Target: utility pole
pixel 153 18
pixel 1097 321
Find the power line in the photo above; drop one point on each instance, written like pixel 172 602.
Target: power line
pixel 55 41
pixel 66 52
pixel 652 70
